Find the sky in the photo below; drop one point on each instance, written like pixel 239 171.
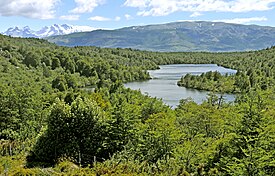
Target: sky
pixel 113 14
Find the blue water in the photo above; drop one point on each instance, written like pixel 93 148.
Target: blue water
pixel 164 83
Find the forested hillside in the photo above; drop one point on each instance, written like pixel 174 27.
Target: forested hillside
pixel 255 70
pixel 65 111
pixel 177 36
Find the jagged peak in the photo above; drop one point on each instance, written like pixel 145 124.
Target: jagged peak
pixel 46 31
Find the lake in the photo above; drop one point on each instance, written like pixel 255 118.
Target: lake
pixel 163 84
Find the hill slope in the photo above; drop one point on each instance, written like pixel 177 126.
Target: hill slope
pixel 51 120
pixel 179 36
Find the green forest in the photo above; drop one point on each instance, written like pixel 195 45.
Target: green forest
pixel 65 111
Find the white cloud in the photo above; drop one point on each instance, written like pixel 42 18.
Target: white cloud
pixel 117 18
pixel 69 17
pixel 243 20
pixel 99 18
pixel 28 8
pixel 165 7
pixel 137 3
pixel 86 6
pixel 128 17
pixel 195 14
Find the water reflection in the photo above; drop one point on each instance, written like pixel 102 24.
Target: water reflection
pixel 164 83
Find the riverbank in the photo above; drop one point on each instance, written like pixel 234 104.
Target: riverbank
pixel 164 83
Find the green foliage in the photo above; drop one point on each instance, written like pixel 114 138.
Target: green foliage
pixel 176 37
pixel 211 81
pixel 156 139
pixel 75 132
pixel 255 70
pixel 32 59
pixel 66 109
pixel 247 155
pixel 60 83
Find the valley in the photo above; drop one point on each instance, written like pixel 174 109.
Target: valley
pixel 50 125
pixel 163 84
pixel 137 88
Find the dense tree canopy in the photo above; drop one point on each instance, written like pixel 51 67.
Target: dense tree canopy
pixel 65 111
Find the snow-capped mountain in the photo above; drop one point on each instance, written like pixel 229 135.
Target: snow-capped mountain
pixel 17 32
pixel 46 31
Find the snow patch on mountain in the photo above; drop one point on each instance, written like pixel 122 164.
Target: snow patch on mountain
pixel 46 31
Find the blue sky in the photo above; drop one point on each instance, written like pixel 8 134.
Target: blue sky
pixel 110 14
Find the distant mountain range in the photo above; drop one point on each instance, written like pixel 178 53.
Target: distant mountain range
pixel 177 36
pixel 46 31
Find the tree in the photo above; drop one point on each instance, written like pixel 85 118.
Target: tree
pixel 249 152
pixel 55 63
pixel 32 59
pixel 74 132
pixel 60 83
pixel 70 66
